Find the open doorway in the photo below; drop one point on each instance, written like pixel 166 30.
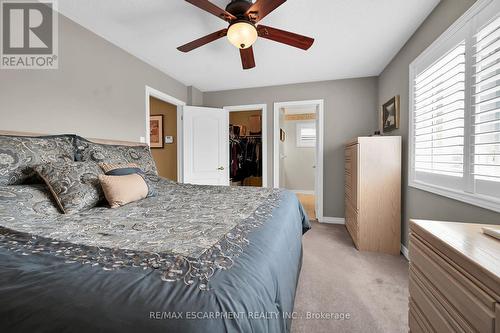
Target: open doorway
pixel 168 157
pixel 298 153
pixel 164 129
pixel 247 145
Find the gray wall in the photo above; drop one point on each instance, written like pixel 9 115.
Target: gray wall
pixel 350 111
pixel 98 90
pixel 194 96
pixel 298 164
pixel 394 80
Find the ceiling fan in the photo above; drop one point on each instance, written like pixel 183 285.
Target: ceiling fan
pixel 243 30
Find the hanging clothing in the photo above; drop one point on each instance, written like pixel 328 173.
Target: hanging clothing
pixel 246 158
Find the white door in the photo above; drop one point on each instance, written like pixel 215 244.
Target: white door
pixel 206 146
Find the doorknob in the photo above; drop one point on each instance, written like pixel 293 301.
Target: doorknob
pixel 220 168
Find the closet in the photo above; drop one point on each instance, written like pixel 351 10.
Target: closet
pixel 245 148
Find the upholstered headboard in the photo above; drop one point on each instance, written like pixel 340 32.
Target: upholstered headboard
pixel 102 141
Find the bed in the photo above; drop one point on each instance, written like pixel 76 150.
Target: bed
pixel 192 258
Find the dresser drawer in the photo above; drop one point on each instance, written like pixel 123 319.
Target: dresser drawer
pixel 432 309
pixel 414 323
pixel 351 222
pixel 351 172
pixel 348 153
pixel 464 299
pixel 348 167
pixel 416 320
pixel 348 194
pixel 497 318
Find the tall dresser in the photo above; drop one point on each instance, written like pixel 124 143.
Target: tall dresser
pixel 373 193
pixel 454 278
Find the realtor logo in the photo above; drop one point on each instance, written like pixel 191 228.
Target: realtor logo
pixel 29 35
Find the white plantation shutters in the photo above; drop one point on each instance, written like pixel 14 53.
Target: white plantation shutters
pixel 439 115
pixel 486 109
pixel 454 133
pixel 306 134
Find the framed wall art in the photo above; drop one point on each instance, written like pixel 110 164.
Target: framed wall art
pixel 156 131
pixel 390 115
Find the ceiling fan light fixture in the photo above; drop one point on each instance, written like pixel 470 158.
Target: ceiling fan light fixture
pixel 242 34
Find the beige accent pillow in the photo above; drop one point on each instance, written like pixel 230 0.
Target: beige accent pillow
pixel 109 167
pixel 121 190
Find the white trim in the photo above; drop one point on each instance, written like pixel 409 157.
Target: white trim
pixel 320 105
pixel 431 52
pixel 405 252
pixel 303 192
pixel 263 108
pixel 452 30
pixel 331 220
pixel 470 198
pixel 151 92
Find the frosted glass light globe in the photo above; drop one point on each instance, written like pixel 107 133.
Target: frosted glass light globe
pixel 242 35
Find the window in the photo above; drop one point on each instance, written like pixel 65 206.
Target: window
pixel 306 134
pixel 455 111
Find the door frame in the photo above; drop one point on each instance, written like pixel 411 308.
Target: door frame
pixel 152 92
pixel 320 105
pixel 263 108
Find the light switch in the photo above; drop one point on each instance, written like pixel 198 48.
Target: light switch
pixel 169 139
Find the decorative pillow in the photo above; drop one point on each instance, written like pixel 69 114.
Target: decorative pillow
pixel 74 185
pixel 140 155
pixel 121 190
pixel 19 154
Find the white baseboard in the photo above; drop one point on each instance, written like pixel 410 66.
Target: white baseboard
pixel 302 192
pixel 404 251
pixel 332 220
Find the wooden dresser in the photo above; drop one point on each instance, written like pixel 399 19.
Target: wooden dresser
pixel 373 193
pixel 454 278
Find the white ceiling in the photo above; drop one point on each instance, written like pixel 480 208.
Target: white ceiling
pixel 354 38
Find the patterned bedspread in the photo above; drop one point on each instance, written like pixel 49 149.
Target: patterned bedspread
pixel 183 228
pixel 239 248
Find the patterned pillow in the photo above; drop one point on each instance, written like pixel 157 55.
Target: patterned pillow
pixel 140 155
pixel 18 155
pixel 74 185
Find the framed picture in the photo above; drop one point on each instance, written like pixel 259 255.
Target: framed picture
pixel 390 115
pixel 282 135
pixel 156 131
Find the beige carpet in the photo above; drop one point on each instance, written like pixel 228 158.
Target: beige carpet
pixel 371 288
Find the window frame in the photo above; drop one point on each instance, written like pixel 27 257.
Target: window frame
pixel 463 29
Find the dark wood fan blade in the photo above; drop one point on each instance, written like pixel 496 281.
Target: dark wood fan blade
pixel 261 8
pixel 247 58
pixel 213 9
pixel 285 37
pixel 202 41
